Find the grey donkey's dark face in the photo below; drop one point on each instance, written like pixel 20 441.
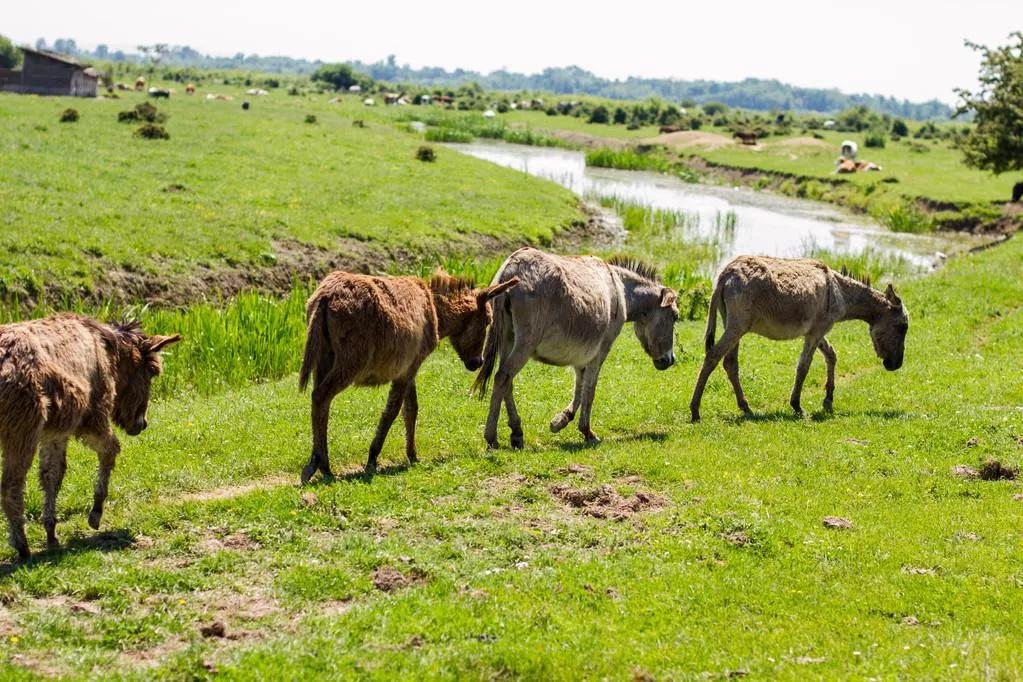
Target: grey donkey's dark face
pixel 888 331
pixel 655 329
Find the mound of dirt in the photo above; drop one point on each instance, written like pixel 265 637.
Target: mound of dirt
pixel 604 502
pixel 692 138
pixel 994 470
pixel 389 579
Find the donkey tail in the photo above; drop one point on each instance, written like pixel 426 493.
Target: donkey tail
pixel 316 337
pixel 712 318
pixel 479 386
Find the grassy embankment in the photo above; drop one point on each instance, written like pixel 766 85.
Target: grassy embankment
pixel 238 197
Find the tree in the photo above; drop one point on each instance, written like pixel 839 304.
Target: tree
pixel 599 115
pixel 996 141
pixel 10 56
pixel 900 128
pixel 340 76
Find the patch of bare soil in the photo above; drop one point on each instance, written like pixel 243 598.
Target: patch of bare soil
pixel 232 491
pixel 587 141
pixel 238 540
pixel 837 522
pixel 687 139
pixel 994 470
pixel 964 471
pixel 604 502
pixel 389 579
pixel 64 602
pixel 801 142
pixel 736 537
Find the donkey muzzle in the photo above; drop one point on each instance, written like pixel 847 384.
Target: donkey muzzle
pixel 473 364
pixel 665 361
pixel 137 428
pixel 892 365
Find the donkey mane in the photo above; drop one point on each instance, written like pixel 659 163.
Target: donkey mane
pixel 862 279
pixel 443 283
pixel 635 266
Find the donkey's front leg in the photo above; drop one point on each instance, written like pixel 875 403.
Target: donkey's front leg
pixel 586 402
pixel 563 418
pixel 410 411
pixel 830 359
pixel 511 365
pixel 107 447
pixel 394 400
pixel 805 358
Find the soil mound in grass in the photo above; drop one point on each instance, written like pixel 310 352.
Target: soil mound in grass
pixel 687 139
pixel 604 502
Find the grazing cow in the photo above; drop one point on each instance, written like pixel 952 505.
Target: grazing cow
pixel 746 137
pixel 190 89
pixel 782 299
pixel 669 129
pixel 61 377
pixel 369 331
pixel 849 150
pixel 140 84
pixel 1017 192
pixel 845 166
pixel 159 93
pixel 569 311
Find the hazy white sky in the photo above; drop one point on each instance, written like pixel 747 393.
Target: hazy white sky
pixel 907 48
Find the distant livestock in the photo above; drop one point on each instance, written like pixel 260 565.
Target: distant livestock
pixel 245 105
pixel 849 149
pixel 790 298
pixel 669 129
pixel 62 377
pixel 140 84
pixel 159 93
pixel 569 311
pixel 367 331
pixel 369 102
pixel 746 137
pixel 1017 192
pixel 190 89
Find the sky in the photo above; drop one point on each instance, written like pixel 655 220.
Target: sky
pixel 907 48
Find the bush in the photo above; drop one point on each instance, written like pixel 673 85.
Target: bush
pixel 875 139
pixel 551 111
pixel 600 115
pixel 620 116
pixel 69 115
pixel 309 118
pixel 426 153
pixel 143 111
pixel 900 128
pixel 152 131
pixel 340 76
pixel 359 123
pixel 10 56
pixel 715 108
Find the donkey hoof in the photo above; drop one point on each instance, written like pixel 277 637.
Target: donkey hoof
pixel 52 543
pixel 829 406
pixel 591 438
pixel 23 552
pixel 560 421
pixel 94 518
pixel 308 472
pixel 695 418
pixel 370 470
pixel 492 444
pixel 518 441
pixel 412 458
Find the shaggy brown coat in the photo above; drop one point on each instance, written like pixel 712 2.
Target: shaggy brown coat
pixel 367 331
pixel 783 298
pixel 61 377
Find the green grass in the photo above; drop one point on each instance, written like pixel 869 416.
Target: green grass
pixel 571 124
pixel 626 159
pixel 85 205
pixel 736 572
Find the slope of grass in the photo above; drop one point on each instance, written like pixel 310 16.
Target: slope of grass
pixel 732 571
pixel 84 201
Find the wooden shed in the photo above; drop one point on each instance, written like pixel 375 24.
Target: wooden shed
pixel 49 73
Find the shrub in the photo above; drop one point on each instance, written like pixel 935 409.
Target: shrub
pixel 69 115
pixel 900 128
pixel 875 139
pixel 310 118
pixel 551 111
pixel 600 115
pixel 340 76
pixel 152 131
pixel 714 108
pixel 426 153
pixel 144 111
pixel 359 123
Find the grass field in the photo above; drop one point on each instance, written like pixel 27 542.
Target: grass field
pixel 709 558
pixel 86 202
pixel 731 571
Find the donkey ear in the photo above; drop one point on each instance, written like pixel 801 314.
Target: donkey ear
pixel 498 289
pixel 892 297
pixel 668 297
pixel 155 344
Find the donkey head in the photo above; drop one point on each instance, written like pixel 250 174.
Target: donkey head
pixel 138 363
pixel 464 315
pixel 888 330
pixel 655 329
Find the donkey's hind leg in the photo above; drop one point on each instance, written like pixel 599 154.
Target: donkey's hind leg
pixel 729 340
pixel 52 467
pixel 563 418
pixel 395 398
pixel 518 440
pixel 731 364
pixel 18 452
pixel 327 387
pixel 410 411
pixel 830 358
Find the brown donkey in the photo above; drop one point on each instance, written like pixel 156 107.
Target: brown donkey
pixel 369 331
pixel 61 377
pixel 785 299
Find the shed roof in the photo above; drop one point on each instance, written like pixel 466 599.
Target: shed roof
pixel 55 56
